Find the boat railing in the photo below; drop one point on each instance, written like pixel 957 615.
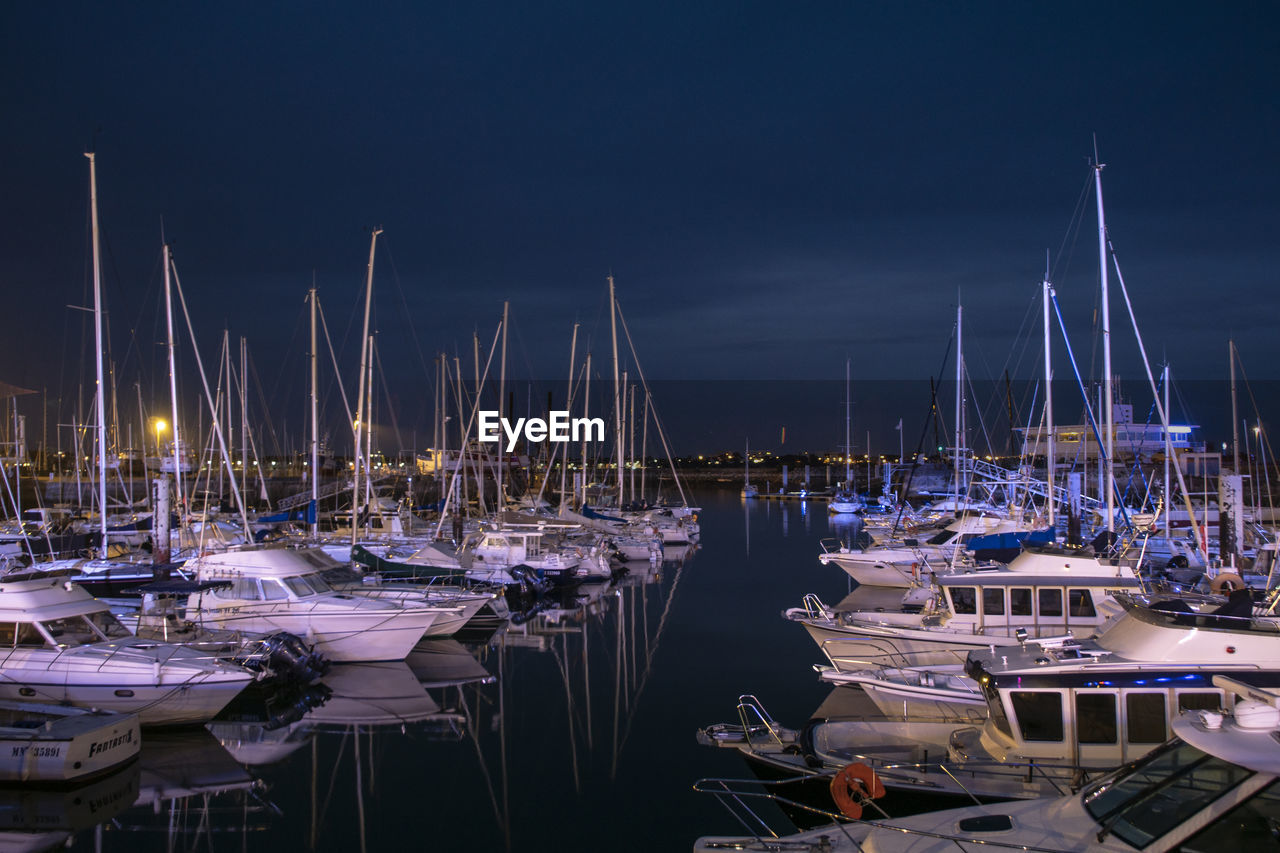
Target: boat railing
pixel 754 718
pixel 832 546
pixel 814 608
pixel 741 796
pixel 889 656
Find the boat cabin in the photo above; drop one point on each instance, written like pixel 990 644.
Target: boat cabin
pixel 1110 700
pixel 266 574
pixel 1001 603
pixel 52 613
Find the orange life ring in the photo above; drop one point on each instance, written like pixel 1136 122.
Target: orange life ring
pixel 1227 581
pixel 858 781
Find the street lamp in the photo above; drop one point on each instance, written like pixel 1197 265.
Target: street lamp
pixel 160 427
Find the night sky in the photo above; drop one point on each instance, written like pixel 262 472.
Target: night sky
pixel 775 186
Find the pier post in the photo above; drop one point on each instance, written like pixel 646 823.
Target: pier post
pixel 160 523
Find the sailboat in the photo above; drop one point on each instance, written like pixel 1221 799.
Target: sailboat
pixel 846 500
pixel 748 489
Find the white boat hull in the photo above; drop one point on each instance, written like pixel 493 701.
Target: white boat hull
pixel 165 704
pixel 872 647
pixel 50 744
pixel 340 635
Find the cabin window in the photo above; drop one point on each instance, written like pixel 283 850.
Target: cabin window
pixel 246 589
pixel 1081 604
pixel 71 631
pixel 1199 700
pixel 1051 603
pixel 964 599
pixel 298 586
pixel 1096 717
pixel 993 602
pixel 995 707
pixel 273 591
pixel 107 625
pixel 8 630
pixel 1039 714
pixel 1019 601
pixel 1146 718
pixel 29 636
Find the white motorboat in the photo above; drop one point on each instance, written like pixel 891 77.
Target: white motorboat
pixel 60 743
pixel 58 644
pixel 162 615
pixel 903 563
pixel 845 502
pixel 1100 703
pixel 1041 593
pixel 1213 787
pixel 283 589
pixel 494 556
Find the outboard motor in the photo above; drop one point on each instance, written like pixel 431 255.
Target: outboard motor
pixel 288 657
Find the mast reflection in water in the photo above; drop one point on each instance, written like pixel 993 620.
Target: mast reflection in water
pixel 497 742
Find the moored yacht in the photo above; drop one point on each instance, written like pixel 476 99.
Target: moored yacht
pixel 58 644
pixel 902 563
pixel 1042 593
pixel 494 556
pixel 1215 786
pixel 283 589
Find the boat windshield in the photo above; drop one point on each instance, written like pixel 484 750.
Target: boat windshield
pixel 83 629
pixel 1249 826
pixel 1169 786
pixel 305 585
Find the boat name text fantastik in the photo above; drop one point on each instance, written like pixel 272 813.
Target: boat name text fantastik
pixel 558 427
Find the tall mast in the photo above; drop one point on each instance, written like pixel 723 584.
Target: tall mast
pixel 1107 407
pixel 478 466
pixel 1168 454
pixel 1051 495
pixel 315 424
pixel 586 405
pixel 97 337
pixel 360 414
pixel 1235 416
pixel 959 394
pixel 244 414
pixel 502 402
pixel 173 377
pixel 624 419
pixel 631 451
pixel 617 389
pixel 442 420
pixel 368 450
pixel 848 415
pixel 568 404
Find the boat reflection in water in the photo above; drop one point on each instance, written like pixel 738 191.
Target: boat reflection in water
pixel 183 789
pixel 47 818
pixel 446 735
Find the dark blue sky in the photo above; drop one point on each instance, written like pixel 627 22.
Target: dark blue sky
pixel 775 186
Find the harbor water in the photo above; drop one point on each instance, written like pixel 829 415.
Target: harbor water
pixel 574 730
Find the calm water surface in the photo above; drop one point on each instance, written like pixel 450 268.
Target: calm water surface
pixel 573 731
